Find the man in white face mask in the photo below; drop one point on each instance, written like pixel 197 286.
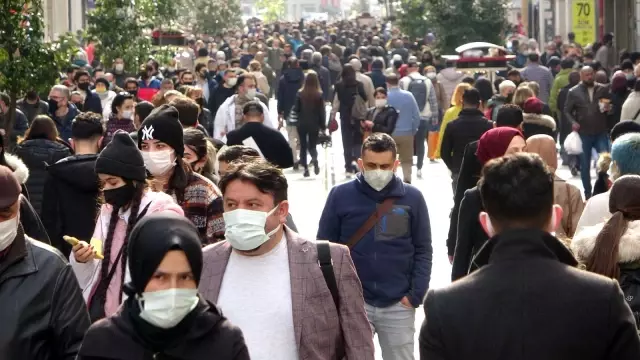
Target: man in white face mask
pixel 267 281
pixel 33 273
pixel 230 114
pixel 386 223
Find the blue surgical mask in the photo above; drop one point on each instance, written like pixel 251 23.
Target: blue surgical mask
pixel 244 229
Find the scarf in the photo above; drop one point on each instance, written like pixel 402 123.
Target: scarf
pixel 495 142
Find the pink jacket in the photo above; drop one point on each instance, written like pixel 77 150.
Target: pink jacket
pixel 88 273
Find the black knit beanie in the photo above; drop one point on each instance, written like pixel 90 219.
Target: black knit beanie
pixel 163 124
pixel 150 240
pixel 121 158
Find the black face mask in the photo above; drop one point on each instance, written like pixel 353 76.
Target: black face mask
pixel 133 93
pixel 84 86
pixel 53 106
pixel 121 196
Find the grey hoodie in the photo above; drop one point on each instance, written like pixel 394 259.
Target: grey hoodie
pixel 449 78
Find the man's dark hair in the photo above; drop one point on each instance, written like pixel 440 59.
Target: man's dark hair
pixel 5 98
pixel 471 97
pixel 624 127
pixel 232 153
pixel 567 63
pixel 469 80
pixel 186 72
pixel 243 77
pixel 188 110
pixel 200 66
pixel 79 74
pixel 380 90
pixel 517 191
pixel 509 115
pixel 266 177
pixel 497 82
pixel 87 126
pixel 130 81
pixel 380 142
pixel 534 57
pixel 143 109
pixel 234 62
pixel 513 72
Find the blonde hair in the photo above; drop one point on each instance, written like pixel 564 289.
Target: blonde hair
pixel 521 95
pixel 255 66
pixel 456 98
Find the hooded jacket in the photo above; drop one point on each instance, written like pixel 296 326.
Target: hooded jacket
pixel 535 124
pixel 449 78
pixel 290 82
pixel 584 243
pixel 37 154
pixel 393 259
pixel 225 120
pixel 70 200
pixel 211 334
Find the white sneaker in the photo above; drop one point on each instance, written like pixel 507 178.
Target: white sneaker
pixel 419 174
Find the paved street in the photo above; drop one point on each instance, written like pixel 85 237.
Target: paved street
pixel 307 197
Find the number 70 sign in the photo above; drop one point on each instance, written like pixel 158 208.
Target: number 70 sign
pixel 583 22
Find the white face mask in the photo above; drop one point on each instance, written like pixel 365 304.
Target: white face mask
pixel 8 232
pixel 381 103
pixel 251 94
pixel 431 75
pixel 159 162
pixel 127 114
pixel 119 67
pixel 166 308
pixel 378 178
pixel 244 229
pixel 232 81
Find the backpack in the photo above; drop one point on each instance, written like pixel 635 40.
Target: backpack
pixel 418 87
pixel 359 109
pixel 630 284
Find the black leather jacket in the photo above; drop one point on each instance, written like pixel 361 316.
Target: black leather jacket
pixel 385 120
pixel 43 316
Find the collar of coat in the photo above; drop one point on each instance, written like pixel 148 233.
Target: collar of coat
pixel 539 119
pixel 584 242
pixel 523 245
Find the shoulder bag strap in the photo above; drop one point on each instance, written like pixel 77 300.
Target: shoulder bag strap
pixel 637 113
pixel 380 211
pixel 326 266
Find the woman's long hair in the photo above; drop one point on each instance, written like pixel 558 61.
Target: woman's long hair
pixel 134 205
pixel 42 127
pixel 203 148
pixel 521 95
pixel 456 98
pixel 311 91
pixel 625 208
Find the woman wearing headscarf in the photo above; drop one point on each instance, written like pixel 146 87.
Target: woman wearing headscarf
pixel 631 106
pixel 534 121
pixel 612 247
pixel 127 198
pixel 470 235
pixel 163 316
pixel 451 113
pixel 619 93
pixel 566 195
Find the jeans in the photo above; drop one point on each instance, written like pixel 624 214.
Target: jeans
pixel 598 142
pixel 308 141
pixel 395 326
pixel 420 137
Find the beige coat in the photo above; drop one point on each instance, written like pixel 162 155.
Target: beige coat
pixel 570 199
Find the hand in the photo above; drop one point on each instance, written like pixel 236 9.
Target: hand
pixel 83 252
pixel 575 127
pixel 405 302
pixel 368 124
pixel 450 259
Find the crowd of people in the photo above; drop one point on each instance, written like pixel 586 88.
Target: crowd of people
pixel 147 216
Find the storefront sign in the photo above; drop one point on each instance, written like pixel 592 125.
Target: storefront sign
pixel 584 21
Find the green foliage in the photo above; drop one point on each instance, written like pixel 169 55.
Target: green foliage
pixel 455 22
pixel 26 61
pixel 212 17
pixel 271 10
pixel 123 27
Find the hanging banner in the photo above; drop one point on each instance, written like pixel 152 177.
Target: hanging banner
pixel 584 24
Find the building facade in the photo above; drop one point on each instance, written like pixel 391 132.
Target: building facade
pixel 62 16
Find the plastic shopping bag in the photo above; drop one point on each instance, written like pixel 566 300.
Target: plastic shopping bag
pixel 573 144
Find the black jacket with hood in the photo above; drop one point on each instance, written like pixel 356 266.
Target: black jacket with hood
pixel 37 154
pixel 469 126
pixel 210 337
pixel 70 200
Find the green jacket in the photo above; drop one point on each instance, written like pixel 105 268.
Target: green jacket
pixel 562 80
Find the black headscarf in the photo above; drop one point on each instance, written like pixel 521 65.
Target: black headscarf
pixel 150 240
